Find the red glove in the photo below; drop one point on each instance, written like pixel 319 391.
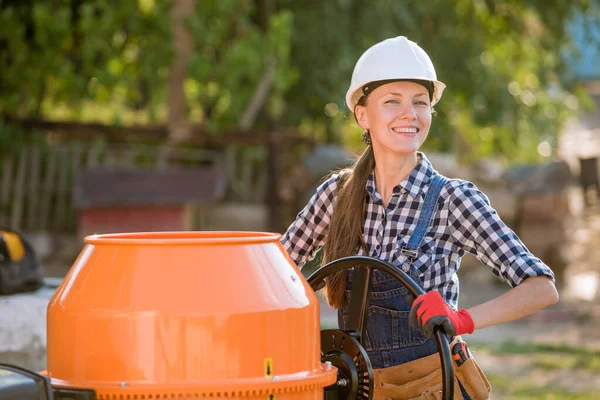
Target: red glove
pixel 430 310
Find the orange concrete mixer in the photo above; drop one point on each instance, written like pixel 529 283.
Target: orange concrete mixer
pixel 194 315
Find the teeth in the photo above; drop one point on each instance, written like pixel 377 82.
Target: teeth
pixel 405 130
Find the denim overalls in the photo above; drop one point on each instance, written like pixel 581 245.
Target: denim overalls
pixel 389 340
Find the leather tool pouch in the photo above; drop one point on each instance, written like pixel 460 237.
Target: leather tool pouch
pixel 473 380
pixel 422 379
pixel 418 379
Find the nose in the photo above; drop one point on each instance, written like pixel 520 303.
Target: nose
pixel 408 112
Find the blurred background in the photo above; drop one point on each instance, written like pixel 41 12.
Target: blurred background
pixel 147 115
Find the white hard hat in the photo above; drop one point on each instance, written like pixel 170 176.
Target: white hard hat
pixel 390 60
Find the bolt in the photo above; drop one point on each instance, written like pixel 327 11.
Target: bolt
pixel 342 382
pixel 122 384
pixel 293 278
pixel 328 365
pixel 275 378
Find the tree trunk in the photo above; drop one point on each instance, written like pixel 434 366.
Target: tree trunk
pixel 273 164
pixel 182 45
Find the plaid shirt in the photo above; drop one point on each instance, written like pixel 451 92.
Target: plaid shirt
pixel 463 222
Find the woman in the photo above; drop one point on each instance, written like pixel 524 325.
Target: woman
pixel 392 205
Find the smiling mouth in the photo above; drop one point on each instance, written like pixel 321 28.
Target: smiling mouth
pixel 406 131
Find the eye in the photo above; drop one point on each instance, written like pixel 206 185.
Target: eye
pixel 392 101
pixel 421 103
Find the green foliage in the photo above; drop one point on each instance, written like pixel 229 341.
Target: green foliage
pixel 58 56
pixel 108 61
pixel 230 57
pixel 500 60
pixel 12 138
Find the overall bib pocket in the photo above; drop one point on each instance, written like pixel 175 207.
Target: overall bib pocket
pixel 388 316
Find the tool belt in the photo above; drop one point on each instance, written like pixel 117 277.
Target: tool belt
pixel 422 379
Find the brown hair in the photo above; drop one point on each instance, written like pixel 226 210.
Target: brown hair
pixel 345 233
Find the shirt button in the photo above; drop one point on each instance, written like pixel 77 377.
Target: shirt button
pixel 406 267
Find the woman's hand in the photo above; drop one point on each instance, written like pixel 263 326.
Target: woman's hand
pixel 430 310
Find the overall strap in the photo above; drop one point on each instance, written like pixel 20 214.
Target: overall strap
pixel 431 197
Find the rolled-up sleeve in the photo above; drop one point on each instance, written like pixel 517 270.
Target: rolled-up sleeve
pixel 476 227
pixel 306 235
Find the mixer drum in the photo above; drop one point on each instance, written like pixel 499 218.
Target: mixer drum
pixel 186 315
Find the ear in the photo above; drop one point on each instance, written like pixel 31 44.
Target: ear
pixel 360 112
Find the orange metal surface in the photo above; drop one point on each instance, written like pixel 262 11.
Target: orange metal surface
pixel 201 313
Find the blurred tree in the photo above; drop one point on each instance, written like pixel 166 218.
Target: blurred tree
pixel 110 61
pixel 239 61
pixel 500 59
pixel 61 58
pixel 182 46
pixel 106 59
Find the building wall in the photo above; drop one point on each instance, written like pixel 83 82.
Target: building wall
pixel 131 219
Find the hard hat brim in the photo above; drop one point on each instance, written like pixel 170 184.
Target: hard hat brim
pixel 355 92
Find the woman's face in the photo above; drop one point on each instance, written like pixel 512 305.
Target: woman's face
pixel 398 116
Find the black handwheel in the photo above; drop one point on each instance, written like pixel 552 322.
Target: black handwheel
pixel 358 308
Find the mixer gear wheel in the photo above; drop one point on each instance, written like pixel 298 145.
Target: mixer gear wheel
pixel 355 374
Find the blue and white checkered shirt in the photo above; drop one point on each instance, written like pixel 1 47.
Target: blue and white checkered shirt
pixel 463 221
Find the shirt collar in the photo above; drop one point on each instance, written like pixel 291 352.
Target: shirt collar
pixel 414 184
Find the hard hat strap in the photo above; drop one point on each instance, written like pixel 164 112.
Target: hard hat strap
pixel 369 87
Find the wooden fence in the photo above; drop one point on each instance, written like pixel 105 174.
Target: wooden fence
pixel 36 184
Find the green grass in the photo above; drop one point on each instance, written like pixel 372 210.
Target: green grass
pixel 543 358
pixel 511 347
pixel 554 362
pixel 507 388
pixel 548 356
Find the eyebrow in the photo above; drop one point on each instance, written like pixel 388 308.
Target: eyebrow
pixel 400 94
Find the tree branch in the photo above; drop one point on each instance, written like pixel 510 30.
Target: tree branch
pixel 259 97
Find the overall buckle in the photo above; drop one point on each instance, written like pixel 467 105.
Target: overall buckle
pixel 412 254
